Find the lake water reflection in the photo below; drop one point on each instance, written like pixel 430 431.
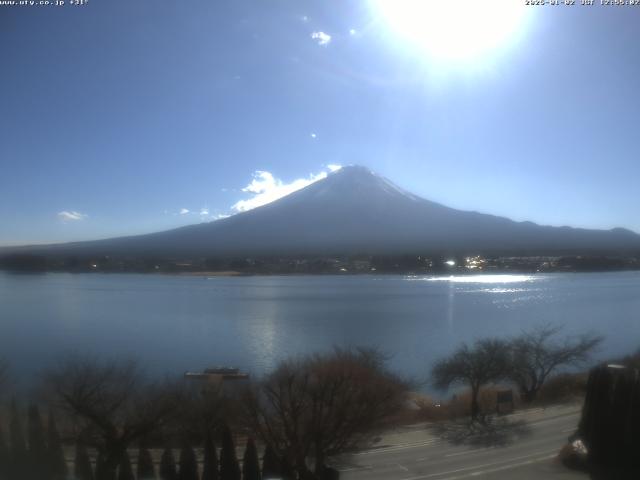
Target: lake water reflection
pixel 176 323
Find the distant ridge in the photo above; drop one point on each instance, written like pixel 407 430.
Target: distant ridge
pixel 351 211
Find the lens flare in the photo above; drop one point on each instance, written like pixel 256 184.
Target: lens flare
pixel 454 29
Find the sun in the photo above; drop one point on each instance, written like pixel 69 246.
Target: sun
pixel 454 29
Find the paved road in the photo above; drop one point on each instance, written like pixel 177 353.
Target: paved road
pixel 420 454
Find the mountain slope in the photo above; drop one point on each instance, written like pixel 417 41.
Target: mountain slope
pixel 356 211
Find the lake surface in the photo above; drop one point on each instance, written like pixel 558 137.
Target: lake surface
pixel 178 323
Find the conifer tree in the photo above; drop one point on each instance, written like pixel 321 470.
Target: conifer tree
pixel 146 471
pixel 125 472
pixel 37 453
pixel 102 472
pixel 270 464
pixel 4 457
pixel 82 464
pixel 57 462
pixel 18 452
pixel 250 462
pixel 288 472
pixel 210 467
pixel 229 467
pixel 168 466
pixel 188 464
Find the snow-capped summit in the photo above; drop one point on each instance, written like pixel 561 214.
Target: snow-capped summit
pixel 354 210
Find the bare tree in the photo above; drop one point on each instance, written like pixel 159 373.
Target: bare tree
pixel 486 361
pixel 632 361
pixel 112 404
pixel 314 407
pixel 537 353
pixel 206 407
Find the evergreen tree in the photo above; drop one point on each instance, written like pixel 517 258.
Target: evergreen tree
pixel 125 472
pixel 4 458
pixel 250 462
pixel 102 470
pixel 270 464
pixel 168 466
pixel 329 473
pixel 82 465
pixel 288 472
pixel 37 454
pixel 188 464
pixel 57 462
pixel 210 467
pixel 99 467
pixel 229 467
pixel 18 452
pixel 145 465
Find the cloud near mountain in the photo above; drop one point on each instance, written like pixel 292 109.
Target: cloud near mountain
pixel 352 211
pixel 265 188
pixel 71 216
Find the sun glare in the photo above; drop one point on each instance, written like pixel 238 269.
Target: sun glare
pixel 454 29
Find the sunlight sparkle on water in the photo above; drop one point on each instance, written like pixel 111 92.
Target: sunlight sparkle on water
pixel 485 279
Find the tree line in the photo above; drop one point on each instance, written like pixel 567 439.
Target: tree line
pixel 526 361
pixel 306 412
pixel 40 456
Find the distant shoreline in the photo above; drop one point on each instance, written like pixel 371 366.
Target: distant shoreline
pixel 365 264
pixel 227 273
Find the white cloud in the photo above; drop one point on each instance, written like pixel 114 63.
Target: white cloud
pixel 266 188
pixel 321 37
pixel 353 32
pixel 313 135
pixel 71 216
pixel 333 167
pixel 184 211
pixel 204 212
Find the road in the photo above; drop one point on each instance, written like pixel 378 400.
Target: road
pixel 418 453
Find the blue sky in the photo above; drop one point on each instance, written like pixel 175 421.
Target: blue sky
pixel 117 116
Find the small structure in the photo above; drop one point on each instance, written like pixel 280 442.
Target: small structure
pixel 217 374
pixel 504 401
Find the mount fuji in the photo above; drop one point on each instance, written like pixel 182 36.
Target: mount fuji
pixel 354 210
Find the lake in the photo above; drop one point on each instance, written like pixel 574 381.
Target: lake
pixel 178 323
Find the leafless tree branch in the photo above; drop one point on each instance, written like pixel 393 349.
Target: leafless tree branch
pixel 483 362
pixel 113 402
pixel 537 353
pixel 317 406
